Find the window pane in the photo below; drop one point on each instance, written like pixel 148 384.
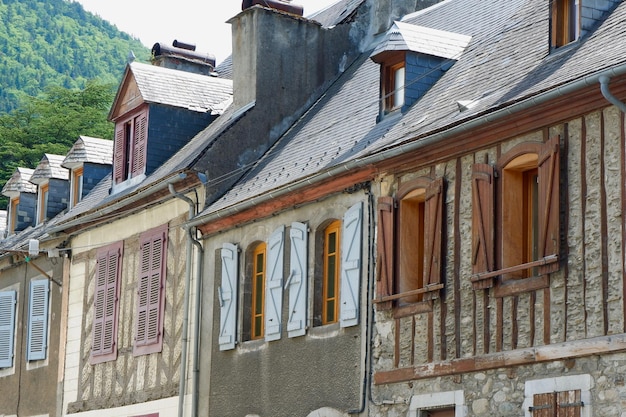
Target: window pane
pixel 398 98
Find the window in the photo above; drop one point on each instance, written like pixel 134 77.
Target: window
pixel 150 293
pixel 129 149
pixel 557 404
pixel 410 244
pixel 43 202
pixel 106 303
pixel 258 291
pixel 393 83
pixel 13 217
pixel 7 327
pixel 38 320
pixel 565 22
pixel 522 239
pixel 77 185
pixel 564 396
pixel 331 273
pixel 438 404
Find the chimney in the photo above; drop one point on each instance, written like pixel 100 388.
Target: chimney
pixel 282 5
pixel 182 56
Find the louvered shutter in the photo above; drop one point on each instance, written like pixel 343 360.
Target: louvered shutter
pixel 150 290
pixel 433 240
pixel 549 168
pixel 350 266
pixel 274 284
pixel 104 331
pixel 119 154
pixel 140 140
pixel 227 296
pixel 483 243
pixel 38 320
pixel 384 261
pixel 7 327
pixel 296 324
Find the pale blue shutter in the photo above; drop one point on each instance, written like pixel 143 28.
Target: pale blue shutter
pixel 350 266
pixel 38 320
pixel 227 297
pixel 297 283
pixel 7 327
pixel 274 284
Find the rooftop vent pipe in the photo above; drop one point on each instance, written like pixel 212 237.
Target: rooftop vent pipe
pixel 282 5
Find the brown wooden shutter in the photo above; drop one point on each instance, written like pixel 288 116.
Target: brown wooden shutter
pixel 433 242
pixel 549 168
pixel 140 139
pixel 483 238
pixel 385 284
pixel 557 404
pixel 119 156
pixel 150 300
pixel 543 405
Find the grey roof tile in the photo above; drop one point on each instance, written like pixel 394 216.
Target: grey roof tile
pixel 49 167
pixel 19 183
pixel 88 149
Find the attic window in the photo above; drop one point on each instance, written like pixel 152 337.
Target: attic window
pixel 565 22
pixel 393 86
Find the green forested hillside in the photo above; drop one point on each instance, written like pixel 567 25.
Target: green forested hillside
pixel 56 42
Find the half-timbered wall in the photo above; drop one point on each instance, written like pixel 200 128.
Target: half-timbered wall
pixel 489 340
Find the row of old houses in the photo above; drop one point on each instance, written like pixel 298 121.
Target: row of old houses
pixel 388 208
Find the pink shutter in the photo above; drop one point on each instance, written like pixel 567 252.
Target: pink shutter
pixel 140 139
pixel 150 299
pixel 119 157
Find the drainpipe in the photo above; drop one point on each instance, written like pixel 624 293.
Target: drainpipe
pixel 604 87
pixel 191 241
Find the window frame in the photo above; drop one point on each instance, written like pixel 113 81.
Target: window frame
pixel 77 185
pixel 422 403
pixel 12 215
pixel 392 63
pixel 43 193
pixel 150 306
pixel 565 22
pixel 257 312
pixel 106 284
pixel 490 265
pixel 389 248
pixel 582 383
pixel 333 227
pixel 130 146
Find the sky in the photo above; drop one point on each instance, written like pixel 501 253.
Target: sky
pixel 199 22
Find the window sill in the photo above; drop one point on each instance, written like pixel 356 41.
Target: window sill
pixel 485 280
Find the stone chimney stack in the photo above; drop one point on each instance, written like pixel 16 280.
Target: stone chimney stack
pixel 182 56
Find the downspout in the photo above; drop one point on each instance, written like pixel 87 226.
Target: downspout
pixel 191 241
pixel 604 87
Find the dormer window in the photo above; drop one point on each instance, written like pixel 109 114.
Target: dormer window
pixel 565 22
pixel 12 218
pixel 129 155
pixel 77 185
pixel 393 86
pixel 42 205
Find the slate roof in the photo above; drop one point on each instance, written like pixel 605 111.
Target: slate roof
pixel 507 60
pixel 88 149
pixel 49 167
pixel 200 93
pixel 19 183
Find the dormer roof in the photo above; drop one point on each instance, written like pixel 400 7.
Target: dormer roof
pixel 407 37
pixel 143 83
pixel 88 149
pixel 19 183
pixel 49 167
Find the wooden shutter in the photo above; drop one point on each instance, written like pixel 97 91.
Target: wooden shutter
pixel 227 296
pixel 557 404
pixel 433 239
pixel 106 304
pixel 350 266
pixel 38 320
pixel 274 284
pixel 7 327
pixel 140 141
pixel 483 238
pixel 296 324
pixel 150 300
pixel 549 168
pixel 119 153
pixel 384 251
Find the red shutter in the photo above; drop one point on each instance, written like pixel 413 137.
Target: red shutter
pixel 483 244
pixel 119 153
pixel 433 242
pixel 150 298
pixel 139 144
pixel 104 332
pixel 549 167
pixel 384 284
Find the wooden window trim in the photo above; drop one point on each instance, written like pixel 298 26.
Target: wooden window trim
pixel 13 209
pixel 565 24
pixel 258 284
pixel 130 145
pixel 42 203
pixel 77 185
pixel 151 291
pixel 390 64
pixel 334 227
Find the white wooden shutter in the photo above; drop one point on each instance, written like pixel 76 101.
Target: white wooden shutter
pixel 274 284
pixel 350 266
pixel 7 327
pixel 227 296
pixel 38 320
pixel 297 283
